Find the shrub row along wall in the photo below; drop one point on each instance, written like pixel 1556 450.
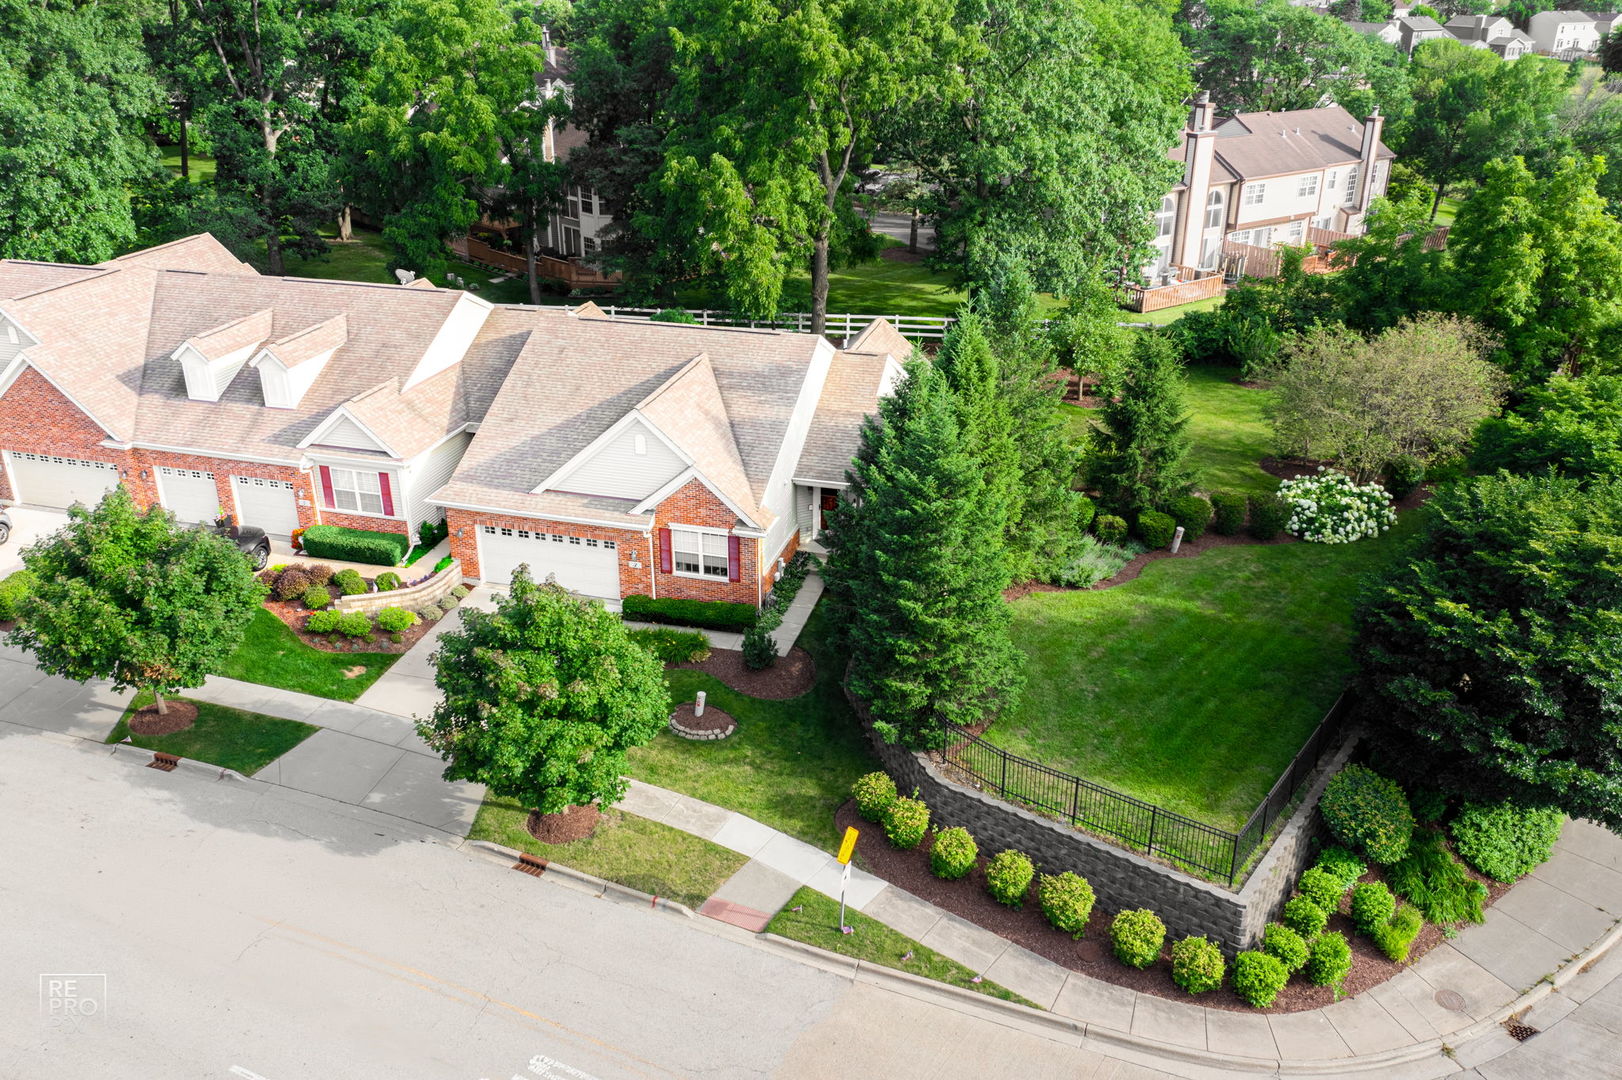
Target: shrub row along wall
pixel 1121 878
pixel 411 597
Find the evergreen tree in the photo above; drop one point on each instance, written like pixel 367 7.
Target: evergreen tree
pixel 917 570
pixel 1143 441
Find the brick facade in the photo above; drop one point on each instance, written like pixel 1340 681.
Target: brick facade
pixel 357 521
pixel 35 417
pixel 695 504
pixel 632 543
pixel 145 488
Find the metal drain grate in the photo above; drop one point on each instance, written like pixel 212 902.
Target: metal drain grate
pixel 1519 1032
pixel 529 864
pixel 163 762
pixel 1451 1000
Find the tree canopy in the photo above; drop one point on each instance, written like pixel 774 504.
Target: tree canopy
pixel 1567 427
pixel 131 596
pixel 543 697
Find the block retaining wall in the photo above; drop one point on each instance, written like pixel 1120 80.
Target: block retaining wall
pixel 411 598
pixel 1120 878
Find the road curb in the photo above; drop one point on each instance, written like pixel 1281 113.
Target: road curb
pixel 601 888
pixel 201 769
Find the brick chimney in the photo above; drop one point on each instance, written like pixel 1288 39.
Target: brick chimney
pixel 1372 127
pixel 1199 153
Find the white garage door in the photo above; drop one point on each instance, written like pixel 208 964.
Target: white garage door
pixel 46 480
pixel 190 493
pixel 584 565
pixel 266 503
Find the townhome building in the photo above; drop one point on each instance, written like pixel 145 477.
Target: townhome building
pixel 574 230
pixel 1492 32
pixel 1565 35
pixel 618 456
pixel 1266 178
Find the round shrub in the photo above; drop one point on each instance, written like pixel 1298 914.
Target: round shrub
pixel 1396 937
pixel 1506 842
pixel 1329 959
pixel 1330 507
pixel 1342 864
pixel 1268 514
pixel 1368 813
pixel 322 622
pixel 1067 901
pixel 319 573
pixel 1403 475
pixel 316 597
pixel 1197 965
pixel 906 822
pixel 953 854
pixel 1258 977
pixel 1109 529
pixel 1372 905
pixel 291 582
pixel 873 794
pixel 1227 513
pixel 431 613
pixel 1086 510
pixel 1305 917
pixel 1155 529
pixel 394 620
pixel 354 624
pixel 459 591
pixel 349 582
pixel 447 604
pixel 388 581
pixel 1193 513
pixel 1136 937
pixel 1322 888
pixel 1280 941
pixel 1008 877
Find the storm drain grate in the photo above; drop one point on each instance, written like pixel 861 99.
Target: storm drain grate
pixel 1451 1000
pixel 1519 1032
pixel 529 864
pixel 163 762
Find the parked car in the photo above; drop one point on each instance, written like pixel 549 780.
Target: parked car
pixel 5 526
pixel 249 539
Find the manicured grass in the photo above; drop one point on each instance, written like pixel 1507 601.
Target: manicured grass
pixel 200 168
pixel 230 738
pixel 817 923
pixel 1172 314
pixel 627 849
pixel 789 764
pixel 1194 685
pixel 272 655
pixel 1448 210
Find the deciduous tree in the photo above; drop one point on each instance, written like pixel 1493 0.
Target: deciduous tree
pixel 1567 427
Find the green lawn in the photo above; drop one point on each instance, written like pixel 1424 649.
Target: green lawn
pixel 201 168
pixel 630 850
pixel 230 738
pixel 1194 685
pixel 1172 314
pixel 816 923
pixel 272 655
pixel 1448 210
pixel 789 764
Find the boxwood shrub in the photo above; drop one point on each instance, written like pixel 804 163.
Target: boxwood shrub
pixel 388 581
pixel 1197 965
pixel 1193 513
pixel 874 793
pixel 395 620
pixel 1322 888
pixel 317 597
pixel 1268 515
pixel 349 582
pixel 1280 941
pixel 1305 917
pixel 1258 977
pixel 1329 959
pixel 906 822
pixel 354 624
pixel 1368 813
pixel 1341 863
pixel 1155 529
pixel 1136 937
pixel 1227 513
pixel 1109 529
pixel 1396 936
pixel 953 854
pixel 16 588
pixel 355 545
pixel 323 622
pixel 1506 842
pixel 1008 877
pixel 1067 901
pixel 1372 905
pixel 710 614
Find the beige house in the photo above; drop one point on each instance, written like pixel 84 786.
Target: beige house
pixel 1265 178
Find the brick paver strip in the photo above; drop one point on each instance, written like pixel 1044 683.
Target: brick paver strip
pixel 736 914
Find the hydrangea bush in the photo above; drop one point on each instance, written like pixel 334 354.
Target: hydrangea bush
pixel 1328 507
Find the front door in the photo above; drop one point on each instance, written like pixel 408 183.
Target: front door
pixel 830 501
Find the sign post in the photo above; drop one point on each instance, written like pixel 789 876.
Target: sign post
pixel 847 847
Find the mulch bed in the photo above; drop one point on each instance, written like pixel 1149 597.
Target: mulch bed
pixel 148 721
pixel 575 823
pixel 1091 956
pixel 293 613
pixel 790 677
pixel 690 726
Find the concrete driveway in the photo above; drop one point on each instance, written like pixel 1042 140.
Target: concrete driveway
pixel 27 525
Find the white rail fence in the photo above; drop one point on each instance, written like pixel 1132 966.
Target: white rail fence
pixel 840 325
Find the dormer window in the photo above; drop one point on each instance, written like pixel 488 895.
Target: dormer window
pixel 210 360
pixel 289 366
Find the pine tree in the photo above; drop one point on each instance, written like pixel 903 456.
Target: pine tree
pixel 916 567
pixel 1143 444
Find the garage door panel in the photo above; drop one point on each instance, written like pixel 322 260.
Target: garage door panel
pixel 50 480
pixel 584 565
pixel 189 493
pixel 269 504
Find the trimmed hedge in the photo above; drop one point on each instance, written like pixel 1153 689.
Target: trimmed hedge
pixel 874 793
pixel 16 588
pixel 1268 515
pixel 1258 977
pixel 1372 905
pixel 710 614
pixel 1329 960
pixel 317 597
pixel 953 854
pixel 395 620
pixel 1368 813
pixel 1340 863
pixel 355 624
pixel 1109 529
pixel 1137 937
pixel 1067 901
pixel 1193 513
pixel 323 622
pixel 906 822
pixel 1504 841
pixel 1156 529
pixel 1197 965
pixel 1305 917
pixel 349 582
pixel 1290 947
pixel 355 545
pixel 1008 877
pixel 1227 513
pixel 1322 888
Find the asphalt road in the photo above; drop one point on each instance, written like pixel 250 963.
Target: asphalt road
pixel 161 926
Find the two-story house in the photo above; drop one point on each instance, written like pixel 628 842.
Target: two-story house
pixel 1492 32
pixel 1565 35
pixel 1265 178
pixel 573 230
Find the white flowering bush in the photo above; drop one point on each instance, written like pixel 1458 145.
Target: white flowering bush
pixel 1329 508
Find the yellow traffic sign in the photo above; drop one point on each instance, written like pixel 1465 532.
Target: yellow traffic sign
pixel 847 846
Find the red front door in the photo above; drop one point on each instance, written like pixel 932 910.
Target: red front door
pixel 830 500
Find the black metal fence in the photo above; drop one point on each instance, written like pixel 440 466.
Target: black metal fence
pixel 1135 824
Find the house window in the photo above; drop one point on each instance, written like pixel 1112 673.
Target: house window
pixel 1308 185
pixel 571 241
pixel 353 489
pixel 1213 210
pixel 699 554
pixel 588 200
pixel 1255 194
pixel 1351 185
pixel 1165 217
pixel 1298 230
pixel 591 244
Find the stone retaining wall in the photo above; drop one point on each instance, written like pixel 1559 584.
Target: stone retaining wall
pixel 411 598
pixel 1121 878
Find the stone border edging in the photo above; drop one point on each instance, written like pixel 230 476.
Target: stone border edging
pixel 410 597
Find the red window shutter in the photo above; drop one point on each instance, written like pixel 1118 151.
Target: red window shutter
pixel 734 570
pixel 326 488
pixel 388 496
pixel 664 551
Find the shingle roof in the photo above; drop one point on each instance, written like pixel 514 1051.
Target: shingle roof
pixel 689 410
pixel 19 277
pixel 228 337
pixel 1260 144
pixel 312 341
pixel 202 253
pixel 849 396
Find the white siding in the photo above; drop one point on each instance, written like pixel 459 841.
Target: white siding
pixel 345 432
pixel 427 473
pixel 780 489
pixel 455 336
pixel 12 340
pixel 618 471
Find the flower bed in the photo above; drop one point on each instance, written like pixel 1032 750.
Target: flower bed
pixel 1328 507
pixel 305 597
